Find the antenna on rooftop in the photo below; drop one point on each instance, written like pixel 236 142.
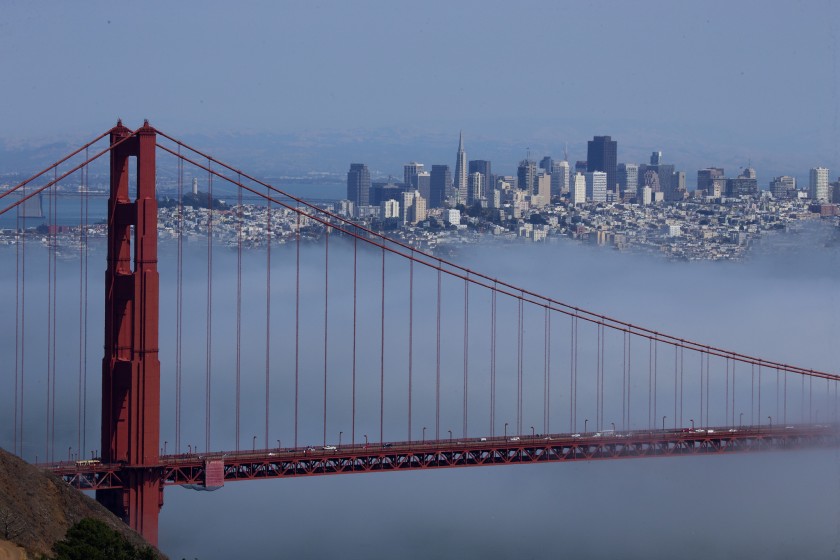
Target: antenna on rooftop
pixel 566 151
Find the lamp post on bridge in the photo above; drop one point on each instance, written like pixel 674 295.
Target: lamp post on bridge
pixel 450 436
pixel 740 419
pixel 663 422
pixel 339 438
pixel 366 440
pixel 278 444
pixel 424 435
pixel 533 434
pixel 613 425
pixel 254 444
pixel 586 425
pixel 692 424
pixel 506 424
pixel 69 453
pixel 770 418
pixel 164 447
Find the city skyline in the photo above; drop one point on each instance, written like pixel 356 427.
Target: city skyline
pixel 720 102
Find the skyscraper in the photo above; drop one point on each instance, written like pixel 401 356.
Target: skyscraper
pixel 546 164
pixel 560 177
pixel 461 184
pixel 577 190
pixel 596 186
pixel 628 178
pixel 439 183
pixel 601 156
pixel 818 184
pixel 476 188
pixel 410 171
pixel 358 185
pixel 710 181
pixel 525 174
pixel 482 166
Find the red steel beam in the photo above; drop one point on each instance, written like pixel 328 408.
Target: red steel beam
pixel 189 469
pixel 130 367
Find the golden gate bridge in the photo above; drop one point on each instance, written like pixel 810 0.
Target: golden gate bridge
pixel 412 360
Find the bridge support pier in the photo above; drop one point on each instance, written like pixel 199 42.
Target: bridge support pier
pixel 130 367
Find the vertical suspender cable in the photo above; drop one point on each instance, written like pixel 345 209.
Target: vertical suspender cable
pixel 326 317
pixel 519 328
pixel 81 312
pixel 179 306
pixel 355 306
pixel 493 360
pixel 238 308
pixel 410 337
pixel 268 234
pixel 466 351
pixel 17 326
pixel 85 347
pixel 297 323
pixel 545 369
pixel 48 384
pixel 382 355
pixel 208 350
pixel 437 359
pixel 54 316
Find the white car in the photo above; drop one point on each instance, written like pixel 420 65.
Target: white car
pixel 514 438
pixel 330 448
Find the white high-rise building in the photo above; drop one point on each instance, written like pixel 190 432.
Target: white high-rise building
pixel 476 188
pixel 461 182
pixel 389 209
pixel 578 189
pixel 596 186
pixel 818 186
pixel 559 177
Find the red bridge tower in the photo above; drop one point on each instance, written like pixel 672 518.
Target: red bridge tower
pixel 130 367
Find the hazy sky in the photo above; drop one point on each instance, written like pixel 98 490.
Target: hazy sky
pixel 762 75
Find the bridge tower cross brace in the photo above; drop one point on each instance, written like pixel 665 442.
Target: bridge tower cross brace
pixel 130 366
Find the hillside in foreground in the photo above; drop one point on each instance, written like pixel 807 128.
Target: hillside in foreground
pixel 37 508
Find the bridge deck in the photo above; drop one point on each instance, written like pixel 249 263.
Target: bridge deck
pixel 191 469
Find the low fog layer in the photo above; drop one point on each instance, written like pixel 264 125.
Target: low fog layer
pixel 781 304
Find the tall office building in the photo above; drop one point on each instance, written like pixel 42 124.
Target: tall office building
pixel 410 172
pixel 461 181
pixel 818 184
pixel 439 182
pixel 476 188
pixel 745 184
pixel 525 174
pixel 678 185
pixel 628 178
pixel 655 158
pixel 424 182
pixel 601 156
pixel 482 166
pixel 559 178
pixel 546 164
pixel 710 181
pixel 358 185
pixel 542 189
pixel 577 190
pixel 783 186
pixel 596 186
